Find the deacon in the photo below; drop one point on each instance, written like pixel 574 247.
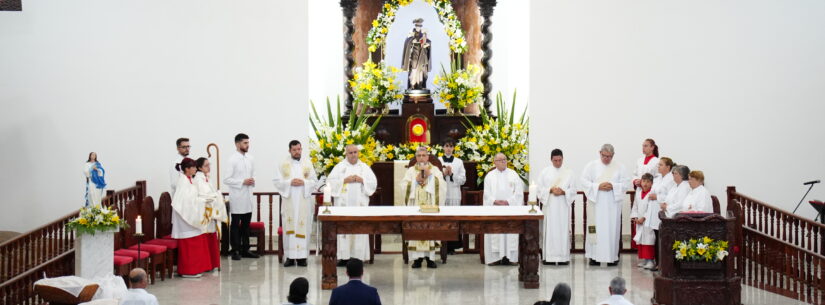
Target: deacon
pixel 240 182
pixel 604 182
pixel 423 185
pixel 502 187
pixel 556 193
pixel 454 178
pixel 183 152
pixel 352 183
pixel 295 180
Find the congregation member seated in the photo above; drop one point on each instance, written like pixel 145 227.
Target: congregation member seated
pixel 698 199
pixel 617 290
pixel 298 290
pixel 137 295
pixel 561 296
pixel 355 292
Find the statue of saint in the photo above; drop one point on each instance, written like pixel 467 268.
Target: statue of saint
pixel 416 59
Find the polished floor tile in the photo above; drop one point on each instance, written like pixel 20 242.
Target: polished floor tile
pixel 463 280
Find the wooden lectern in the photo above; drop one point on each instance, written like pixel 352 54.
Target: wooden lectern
pixel 696 283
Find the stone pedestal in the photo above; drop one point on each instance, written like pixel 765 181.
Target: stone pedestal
pixel 94 255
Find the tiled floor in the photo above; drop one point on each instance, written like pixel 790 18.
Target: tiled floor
pixel 463 280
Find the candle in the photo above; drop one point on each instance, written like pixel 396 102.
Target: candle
pixel 327 191
pixel 531 197
pixel 138 225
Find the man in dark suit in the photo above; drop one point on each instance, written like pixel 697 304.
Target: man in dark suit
pixel 355 292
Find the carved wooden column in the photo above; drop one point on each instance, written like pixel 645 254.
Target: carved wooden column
pixel 329 251
pixel 348 6
pixel 486 7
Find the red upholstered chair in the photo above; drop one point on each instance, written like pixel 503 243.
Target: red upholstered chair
pixel 163 231
pixel 147 213
pixel 142 261
pixel 157 254
pixel 123 264
pixel 258 230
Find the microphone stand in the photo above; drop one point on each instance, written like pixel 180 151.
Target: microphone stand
pixel 803 199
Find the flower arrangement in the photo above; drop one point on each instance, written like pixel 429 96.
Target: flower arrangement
pixel 96 219
pixel 380 26
pixel 459 88
pixel 703 249
pixel 332 136
pixel 375 85
pixel 406 151
pixel 500 134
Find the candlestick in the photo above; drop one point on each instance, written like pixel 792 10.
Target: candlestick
pixel 327 199
pixel 531 197
pixel 138 225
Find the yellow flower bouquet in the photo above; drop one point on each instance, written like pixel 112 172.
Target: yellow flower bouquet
pixel 332 136
pixel 459 88
pixel 703 249
pixel 96 219
pixel 502 134
pixel 375 85
pixel 406 151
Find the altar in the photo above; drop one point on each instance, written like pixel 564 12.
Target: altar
pixel 448 224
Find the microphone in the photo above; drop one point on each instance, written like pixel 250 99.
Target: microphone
pixel 811 182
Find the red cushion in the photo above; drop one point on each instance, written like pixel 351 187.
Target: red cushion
pixel 167 237
pixel 154 249
pixel 168 243
pixel 256 226
pixel 123 260
pixel 132 253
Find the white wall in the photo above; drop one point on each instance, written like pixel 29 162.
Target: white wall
pixel 733 88
pixel 126 78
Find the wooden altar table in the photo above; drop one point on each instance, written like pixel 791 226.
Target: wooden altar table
pixel 445 226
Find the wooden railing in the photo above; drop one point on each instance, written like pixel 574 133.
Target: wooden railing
pixel 119 198
pixel 779 224
pixel 19 290
pixel 269 199
pixel 35 247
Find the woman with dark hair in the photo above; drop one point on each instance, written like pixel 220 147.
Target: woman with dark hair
pixel 215 209
pixel 189 224
pixel 298 291
pixel 561 296
pixel 648 163
pixel 95 182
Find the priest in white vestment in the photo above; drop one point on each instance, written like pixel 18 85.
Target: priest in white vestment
pixel 295 180
pixel 504 187
pixel 423 185
pixel 215 212
pixel 648 163
pixel 352 183
pixel 673 202
pixel 183 152
pixel 698 199
pixel 604 183
pixel 556 193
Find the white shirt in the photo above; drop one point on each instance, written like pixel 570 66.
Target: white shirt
pixel 138 296
pixel 699 200
pixel 173 171
pixel 240 196
pixel 616 299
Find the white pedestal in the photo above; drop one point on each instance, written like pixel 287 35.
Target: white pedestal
pixel 94 255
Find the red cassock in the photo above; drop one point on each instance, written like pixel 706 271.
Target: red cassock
pixel 194 255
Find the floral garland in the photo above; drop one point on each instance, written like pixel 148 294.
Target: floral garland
pixel 406 151
pixel 96 219
pixel 703 249
pixel 498 135
pixel 459 88
pixel 380 26
pixel 375 85
pixel 332 136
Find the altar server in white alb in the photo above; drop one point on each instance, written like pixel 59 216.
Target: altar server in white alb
pixel 698 199
pixel 183 152
pixel 215 209
pixel 423 185
pixel 556 193
pixel 240 180
pixel 295 180
pixel 648 163
pixel 502 187
pixel 604 182
pixel 454 177
pixel 663 182
pixel 673 202
pixel 643 216
pixel 352 182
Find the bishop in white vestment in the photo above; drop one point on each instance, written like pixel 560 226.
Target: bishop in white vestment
pixel 556 193
pixel 295 180
pixel 352 183
pixel 502 186
pixel 604 183
pixel 423 185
